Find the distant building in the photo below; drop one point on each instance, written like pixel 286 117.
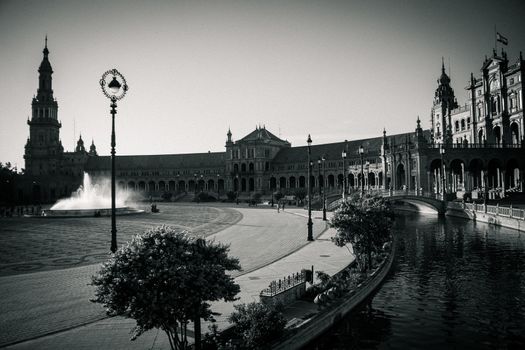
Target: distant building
pixel 482 141
pixel 50 173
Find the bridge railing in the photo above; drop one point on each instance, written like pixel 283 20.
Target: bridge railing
pixel 510 212
pixel 516 213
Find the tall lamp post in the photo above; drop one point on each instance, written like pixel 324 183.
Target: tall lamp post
pixel 324 191
pixel 195 183
pixel 310 224
pixel 343 155
pixel 114 90
pixel 218 192
pixel 319 176
pixel 367 163
pixel 361 151
pixel 441 153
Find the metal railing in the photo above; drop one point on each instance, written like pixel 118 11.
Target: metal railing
pixel 281 285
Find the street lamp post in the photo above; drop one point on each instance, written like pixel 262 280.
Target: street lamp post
pixel 361 151
pixel 195 183
pixel 343 155
pixel 218 192
pixel 319 176
pixel 114 90
pixel 324 191
pixel 310 224
pixel 367 175
pixel 441 153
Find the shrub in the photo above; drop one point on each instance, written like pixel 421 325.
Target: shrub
pixel 258 324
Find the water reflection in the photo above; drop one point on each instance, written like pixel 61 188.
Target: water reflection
pixel 454 284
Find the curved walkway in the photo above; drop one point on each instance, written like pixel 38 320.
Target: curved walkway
pixel 48 302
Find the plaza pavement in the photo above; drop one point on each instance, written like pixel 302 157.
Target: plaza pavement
pixel 53 308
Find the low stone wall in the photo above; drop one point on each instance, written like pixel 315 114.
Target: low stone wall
pixel 500 216
pixel 287 296
pixel 328 317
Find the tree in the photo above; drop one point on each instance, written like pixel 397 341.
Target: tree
pixel 300 194
pixel 257 323
pixel 164 279
pixel 8 180
pixel 365 222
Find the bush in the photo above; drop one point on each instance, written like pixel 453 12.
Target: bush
pixel 163 279
pixel 231 196
pixel 258 324
pixel 204 197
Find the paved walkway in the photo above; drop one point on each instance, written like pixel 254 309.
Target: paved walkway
pixel 42 244
pixel 61 300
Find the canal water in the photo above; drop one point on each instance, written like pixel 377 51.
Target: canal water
pixel 455 284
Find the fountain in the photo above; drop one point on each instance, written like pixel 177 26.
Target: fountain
pixel 93 199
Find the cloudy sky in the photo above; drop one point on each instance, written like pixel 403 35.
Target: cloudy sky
pixel 335 69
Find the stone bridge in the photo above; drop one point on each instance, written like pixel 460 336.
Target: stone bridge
pixel 424 203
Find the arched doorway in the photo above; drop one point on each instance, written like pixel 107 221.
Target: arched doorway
pixel 131 186
pixel 151 186
pixel 400 177
pixel 282 182
pixel 236 184
pixel 371 180
pixel 302 182
pixel 182 186
pixel 351 180
pixel 243 185
pixel 475 182
pixel 512 176
pixel 494 174
pixel 514 133
pixel 497 135
pixel 331 181
pixel 292 182
pixel 457 175
pixel 273 183
pixel 251 184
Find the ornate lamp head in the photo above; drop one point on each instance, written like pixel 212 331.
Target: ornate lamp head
pixel 116 89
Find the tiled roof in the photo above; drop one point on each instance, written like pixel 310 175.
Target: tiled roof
pixel 261 134
pixel 332 151
pixel 160 161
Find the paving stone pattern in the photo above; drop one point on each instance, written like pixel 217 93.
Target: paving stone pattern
pixel 39 303
pixel 40 244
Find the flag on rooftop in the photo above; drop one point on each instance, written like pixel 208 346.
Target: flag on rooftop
pixel 502 39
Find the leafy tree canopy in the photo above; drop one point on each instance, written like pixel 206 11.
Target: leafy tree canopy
pixel 163 278
pixel 257 323
pixel 365 222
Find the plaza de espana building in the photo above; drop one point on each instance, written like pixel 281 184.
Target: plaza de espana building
pixel 480 142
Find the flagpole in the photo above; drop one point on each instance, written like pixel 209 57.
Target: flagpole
pixel 495 39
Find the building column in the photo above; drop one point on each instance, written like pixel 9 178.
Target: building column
pixel 502 177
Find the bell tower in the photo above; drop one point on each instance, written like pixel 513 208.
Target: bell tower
pixel 44 149
pixel 444 103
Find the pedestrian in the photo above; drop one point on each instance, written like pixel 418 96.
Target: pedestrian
pixel 283 205
pixel 278 206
